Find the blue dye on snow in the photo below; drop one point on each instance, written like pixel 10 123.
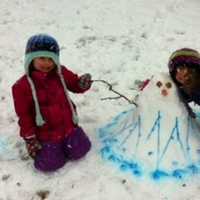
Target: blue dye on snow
pixel 194 169
pixel 179 173
pixel 158 174
pixel 114 149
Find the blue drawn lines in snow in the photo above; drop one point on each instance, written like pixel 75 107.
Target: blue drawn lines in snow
pixel 124 165
pixel 115 148
pixel 7 151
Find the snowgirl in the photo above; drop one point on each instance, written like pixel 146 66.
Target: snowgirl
pixel 47 117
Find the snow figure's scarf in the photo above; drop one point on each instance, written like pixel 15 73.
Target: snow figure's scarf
pixel 157 138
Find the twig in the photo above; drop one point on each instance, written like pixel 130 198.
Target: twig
pixel 110 98
pixel 110 87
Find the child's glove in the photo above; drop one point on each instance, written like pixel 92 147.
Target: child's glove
pixel 85 81
pixel 33 146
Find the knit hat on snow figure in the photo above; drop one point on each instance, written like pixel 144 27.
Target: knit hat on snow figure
pixel 43 45
pixel 181 57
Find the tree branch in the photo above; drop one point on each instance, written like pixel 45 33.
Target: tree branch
pixel 110 87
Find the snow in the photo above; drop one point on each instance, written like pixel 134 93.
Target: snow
pixel 119 41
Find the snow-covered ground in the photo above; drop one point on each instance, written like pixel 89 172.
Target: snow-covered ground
pixel 119 41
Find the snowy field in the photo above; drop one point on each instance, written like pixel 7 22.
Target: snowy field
pixel 118 41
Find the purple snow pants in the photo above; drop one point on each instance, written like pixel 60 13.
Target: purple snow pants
pixel 53 156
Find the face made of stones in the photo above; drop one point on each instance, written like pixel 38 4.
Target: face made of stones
pixel 164 87
pixel 160 88
pixel 160 94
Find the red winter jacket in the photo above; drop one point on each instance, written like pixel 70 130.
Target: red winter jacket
pixel 53 103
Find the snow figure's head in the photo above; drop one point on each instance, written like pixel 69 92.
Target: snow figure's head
pixel 161 94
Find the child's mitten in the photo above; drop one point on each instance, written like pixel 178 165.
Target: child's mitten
pixel 33 146
pixel 85 81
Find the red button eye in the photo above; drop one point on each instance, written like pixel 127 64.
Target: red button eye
pixel 159 84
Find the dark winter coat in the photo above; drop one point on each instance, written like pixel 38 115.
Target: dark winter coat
pixel 53 103
pixel 194 97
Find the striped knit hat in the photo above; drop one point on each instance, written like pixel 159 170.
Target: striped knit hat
pixel 185 56
pixel 43 45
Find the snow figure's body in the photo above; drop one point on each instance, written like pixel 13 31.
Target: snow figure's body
pixel 158 137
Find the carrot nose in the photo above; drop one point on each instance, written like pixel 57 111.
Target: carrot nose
pixel 164 92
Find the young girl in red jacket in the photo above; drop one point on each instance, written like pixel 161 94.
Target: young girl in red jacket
pixel 47 116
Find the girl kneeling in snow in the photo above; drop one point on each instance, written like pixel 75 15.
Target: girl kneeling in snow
pixel 47 116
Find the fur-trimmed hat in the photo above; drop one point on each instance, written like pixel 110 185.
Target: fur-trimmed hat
pixel 43 45
pixel 185 56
